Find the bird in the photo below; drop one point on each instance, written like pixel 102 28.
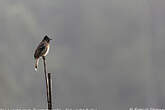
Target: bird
pixel 42 50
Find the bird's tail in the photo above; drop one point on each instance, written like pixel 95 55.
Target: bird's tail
pixel 36 64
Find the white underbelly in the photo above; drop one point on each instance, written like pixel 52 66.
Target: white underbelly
pixel 47 51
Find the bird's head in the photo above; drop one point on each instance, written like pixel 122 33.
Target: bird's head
pixel 47 39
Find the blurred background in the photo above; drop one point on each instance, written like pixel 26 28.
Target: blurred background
pixel 106 54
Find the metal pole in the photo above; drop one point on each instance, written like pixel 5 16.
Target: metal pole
pixel 49 93
pixel 48 87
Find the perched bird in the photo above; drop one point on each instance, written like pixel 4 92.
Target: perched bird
pixel 42 50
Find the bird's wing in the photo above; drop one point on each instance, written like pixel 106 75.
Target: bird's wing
pixel 41 49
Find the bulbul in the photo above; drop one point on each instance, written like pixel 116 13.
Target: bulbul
pixel 42 50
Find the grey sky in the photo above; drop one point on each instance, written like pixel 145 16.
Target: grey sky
pixel 108 54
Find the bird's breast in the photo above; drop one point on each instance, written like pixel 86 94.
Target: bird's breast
pixel 47 50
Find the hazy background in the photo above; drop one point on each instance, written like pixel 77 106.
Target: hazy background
pixel 108 54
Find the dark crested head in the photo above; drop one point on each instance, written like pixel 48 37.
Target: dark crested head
pixel 46 38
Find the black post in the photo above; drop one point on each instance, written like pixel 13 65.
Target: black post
pixel 48 85
pixel 50 95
